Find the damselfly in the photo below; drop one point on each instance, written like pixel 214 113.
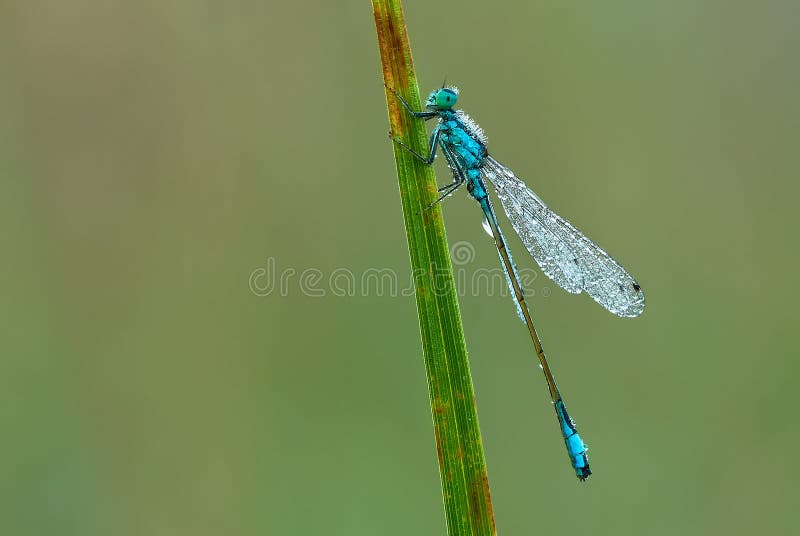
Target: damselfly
pixel 564 254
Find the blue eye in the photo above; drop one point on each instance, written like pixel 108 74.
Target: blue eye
pixel 446 98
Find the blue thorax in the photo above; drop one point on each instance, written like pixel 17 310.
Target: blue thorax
pixel 465 140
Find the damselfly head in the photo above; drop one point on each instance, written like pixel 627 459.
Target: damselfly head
pixel 442 99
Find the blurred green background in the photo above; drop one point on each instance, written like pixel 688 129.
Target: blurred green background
pixel 155 155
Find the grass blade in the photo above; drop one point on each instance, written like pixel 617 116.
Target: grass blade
pixel 462 467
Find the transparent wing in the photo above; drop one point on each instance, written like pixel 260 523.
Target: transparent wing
pixel 513 295
pixel 558 243
pixel 557 260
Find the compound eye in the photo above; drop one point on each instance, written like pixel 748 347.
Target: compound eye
pixel 446 98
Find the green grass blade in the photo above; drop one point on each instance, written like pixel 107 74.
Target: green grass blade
pixel 462 466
